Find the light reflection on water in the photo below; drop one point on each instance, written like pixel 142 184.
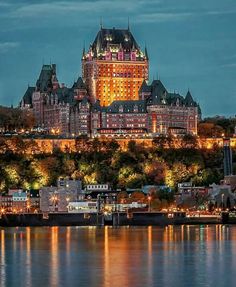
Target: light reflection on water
pixel 138 256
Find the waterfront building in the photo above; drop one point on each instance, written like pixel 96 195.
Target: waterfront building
pixel 33 201
pixel 94 206
pixel 83 207
pixel 5 203
pixel 19 201
pixel 222 196
pixel 189 194
pixel 57 198
pixel 48 199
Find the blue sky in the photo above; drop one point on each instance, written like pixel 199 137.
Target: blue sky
pixel 191 44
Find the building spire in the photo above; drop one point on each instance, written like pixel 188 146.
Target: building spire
pixel 145 52
pixel 128 23
pixel 101 22
pixel 83 53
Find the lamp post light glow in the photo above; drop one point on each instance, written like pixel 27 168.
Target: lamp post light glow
pixel 54 201
pixel 149 203
pixel 67 201
pixel 222 200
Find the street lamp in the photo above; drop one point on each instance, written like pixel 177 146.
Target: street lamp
pixel 149 203
pixel 222 200
pixel 54 200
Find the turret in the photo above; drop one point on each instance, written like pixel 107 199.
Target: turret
pixel 146 53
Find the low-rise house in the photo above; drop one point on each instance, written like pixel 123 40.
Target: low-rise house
pixel 5 203
pixel 191 195
pixel 57 198
pixel 97 187
pixel 33 200
pixel 222 196
pixel 231 181
pixel 19 201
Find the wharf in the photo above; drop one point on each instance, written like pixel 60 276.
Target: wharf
pixel 101 219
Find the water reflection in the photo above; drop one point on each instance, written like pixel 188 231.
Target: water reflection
pixel 28 256
pixel 150 257
pixel 54 280
pixel 142 256
pixel 3 263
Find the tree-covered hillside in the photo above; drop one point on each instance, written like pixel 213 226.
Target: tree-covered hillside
pixel 104 162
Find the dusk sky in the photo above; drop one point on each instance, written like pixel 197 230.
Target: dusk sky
pixel 191 44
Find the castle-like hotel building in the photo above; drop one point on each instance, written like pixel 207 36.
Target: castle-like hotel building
pixel 113 97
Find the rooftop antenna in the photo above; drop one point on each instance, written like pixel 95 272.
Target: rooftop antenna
pixel 128 23
pixel 101 22
pixel 145 51
pixel 83 51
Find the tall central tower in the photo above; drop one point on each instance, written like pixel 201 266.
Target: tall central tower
pixel 114 67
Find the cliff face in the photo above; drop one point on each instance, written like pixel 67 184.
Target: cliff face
pixel 39 146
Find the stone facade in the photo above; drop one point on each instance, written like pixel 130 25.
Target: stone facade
pixel 57 198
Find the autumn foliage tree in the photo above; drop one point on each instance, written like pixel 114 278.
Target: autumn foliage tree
pixel 12 119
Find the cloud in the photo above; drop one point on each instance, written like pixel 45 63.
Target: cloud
pixel 6 46
pixel 230 65
pixel 61 7
pixel 162 17
pixel 71 12
pixel 4 4
pixel 223 12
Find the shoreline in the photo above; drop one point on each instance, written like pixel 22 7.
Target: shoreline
pixel 99 219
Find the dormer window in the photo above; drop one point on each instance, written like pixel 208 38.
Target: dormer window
pixel 121 109
pixel 126 38
pixel 177 102
pixel 108 38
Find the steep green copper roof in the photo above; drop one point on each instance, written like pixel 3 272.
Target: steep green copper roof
pixel 44 82
pixel 27 98
pixel 79 84
pixel 113 36
pixel 126 107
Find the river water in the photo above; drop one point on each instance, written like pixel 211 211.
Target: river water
pixel 127 256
